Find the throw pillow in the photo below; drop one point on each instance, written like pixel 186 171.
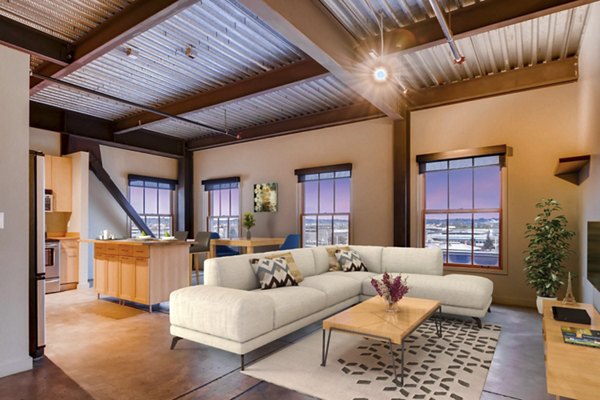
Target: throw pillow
pixel 350 261
pixel 333 263
pixel 289 259
pixel 272 273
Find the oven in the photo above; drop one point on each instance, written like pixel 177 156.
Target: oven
pixel 52 262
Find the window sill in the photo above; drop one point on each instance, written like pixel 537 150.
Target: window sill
pixel 475 270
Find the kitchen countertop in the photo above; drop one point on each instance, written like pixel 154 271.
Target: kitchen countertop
pixel 136 242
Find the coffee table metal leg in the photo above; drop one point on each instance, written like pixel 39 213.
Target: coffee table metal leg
pixel 402 361
pixel 438 322
pixel 325 348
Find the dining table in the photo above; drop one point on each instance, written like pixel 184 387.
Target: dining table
pixel 247 244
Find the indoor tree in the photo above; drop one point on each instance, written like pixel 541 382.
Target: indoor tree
pixel 549 242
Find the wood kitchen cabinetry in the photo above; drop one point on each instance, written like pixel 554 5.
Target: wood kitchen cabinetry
pixel 58 179
pixel 69 264
pixel 144 273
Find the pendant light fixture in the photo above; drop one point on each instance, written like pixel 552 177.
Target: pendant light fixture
pixel 380 72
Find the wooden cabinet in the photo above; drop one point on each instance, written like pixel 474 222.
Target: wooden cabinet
pixel 100 273
pixel 142 281
pixel 127 275
pixel 58 179
pixel 112 276
pixel 144 274
pixel 69 264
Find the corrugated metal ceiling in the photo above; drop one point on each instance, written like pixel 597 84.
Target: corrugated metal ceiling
pixel 303 99
pixel 227 44
pixel 535 41
pixel 67 20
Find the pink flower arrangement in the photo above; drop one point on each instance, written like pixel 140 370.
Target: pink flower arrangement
pixel 392 290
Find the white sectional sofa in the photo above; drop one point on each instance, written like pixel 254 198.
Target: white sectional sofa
pixel 230 312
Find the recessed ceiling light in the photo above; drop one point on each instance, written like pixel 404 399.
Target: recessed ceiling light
pixel 131 53
pixel 380 74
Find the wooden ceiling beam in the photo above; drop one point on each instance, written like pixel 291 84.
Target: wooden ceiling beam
pixel 465 22
pixel 537 76
pixel 34 42
pixel 354 113
pixel 100 131
pixel 311 28
pixel 260 84
pixel 135 19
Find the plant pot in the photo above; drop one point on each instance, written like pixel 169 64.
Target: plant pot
pixel 248 234
pixel 539 302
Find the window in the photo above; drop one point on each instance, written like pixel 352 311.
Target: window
pixel 325 209
pixel 152 198
pixel 223 206
pixel 462 212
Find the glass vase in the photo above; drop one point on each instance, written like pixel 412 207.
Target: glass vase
pixel 392 306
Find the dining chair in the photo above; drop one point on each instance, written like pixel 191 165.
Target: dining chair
pixel 223 251
pixel 292 241
pixel 181 235
pixel 201 245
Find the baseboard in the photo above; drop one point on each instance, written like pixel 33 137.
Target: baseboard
pixel 9 367
pixel 514 301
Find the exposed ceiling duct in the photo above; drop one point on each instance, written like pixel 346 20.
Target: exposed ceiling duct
pixel 458 57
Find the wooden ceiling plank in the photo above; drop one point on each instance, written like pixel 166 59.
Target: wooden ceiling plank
pixel 260 84
pixel 135 19
pixel 308 26
pixel 537 76
pixel 354 113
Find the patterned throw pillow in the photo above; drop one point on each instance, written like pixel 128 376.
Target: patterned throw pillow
pixel 333 263
pixel 350 261
pixel 289 259
pixel 272 273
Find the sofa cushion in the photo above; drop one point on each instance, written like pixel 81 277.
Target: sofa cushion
pixel 321 258
pixel 349 261
pixel 293 303
pixel 272 273
pixel 371 257
pixel 291 263
pixel 357 275
pixel 335 286
pixel 303 258
pixel 228 313
pixel 452 290
pixel 426 261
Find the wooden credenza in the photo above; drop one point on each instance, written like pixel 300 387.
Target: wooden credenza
pixel 142 272
pixel 571 371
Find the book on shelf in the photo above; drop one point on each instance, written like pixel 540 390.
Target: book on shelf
pixel 581 336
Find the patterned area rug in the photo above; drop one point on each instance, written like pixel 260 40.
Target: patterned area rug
pixel 454 366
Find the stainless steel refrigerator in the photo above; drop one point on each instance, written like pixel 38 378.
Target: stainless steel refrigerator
pixel 37 269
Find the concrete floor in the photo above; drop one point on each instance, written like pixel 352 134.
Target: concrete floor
pixel 100 350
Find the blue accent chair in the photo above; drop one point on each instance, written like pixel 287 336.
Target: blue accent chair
pixel 224 251
pixel 292 241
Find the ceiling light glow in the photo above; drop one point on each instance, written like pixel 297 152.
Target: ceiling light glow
pixel 380 74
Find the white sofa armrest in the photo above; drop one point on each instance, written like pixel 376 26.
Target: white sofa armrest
pixel 232 314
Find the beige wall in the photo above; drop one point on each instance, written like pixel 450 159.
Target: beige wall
pixel 589 140
pixel 541 126
pixel 367 145
pixel 14 237
pixel 47 142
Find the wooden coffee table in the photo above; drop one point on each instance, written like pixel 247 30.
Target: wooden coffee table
pixel 371 318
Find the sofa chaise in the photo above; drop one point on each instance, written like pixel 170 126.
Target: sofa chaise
pixel 231 313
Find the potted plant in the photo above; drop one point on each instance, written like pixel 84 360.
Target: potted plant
pixel 549 242
pixel 249 222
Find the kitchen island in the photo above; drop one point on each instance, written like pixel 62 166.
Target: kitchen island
pixel 141 271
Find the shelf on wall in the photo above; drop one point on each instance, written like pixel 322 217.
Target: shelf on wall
pixel 571 168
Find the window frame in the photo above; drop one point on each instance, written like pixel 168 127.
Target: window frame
pixel 144 215
pixel 302 215
pixel 229 217
pixel 499 151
